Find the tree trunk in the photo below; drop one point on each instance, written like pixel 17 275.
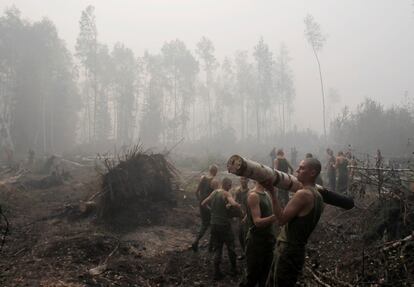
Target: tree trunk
pixel 242 120
pixel 257 122
pixel 210 128
pixel 323 93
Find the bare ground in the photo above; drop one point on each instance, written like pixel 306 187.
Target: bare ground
pixel 52 244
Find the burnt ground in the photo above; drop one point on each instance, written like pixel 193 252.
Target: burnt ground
pixel 51 243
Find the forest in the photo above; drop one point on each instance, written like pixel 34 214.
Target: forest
pixel 129 165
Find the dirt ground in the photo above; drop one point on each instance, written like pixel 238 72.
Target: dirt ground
pixel 52 244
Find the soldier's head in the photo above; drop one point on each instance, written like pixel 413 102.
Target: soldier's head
pixel 244 181
pixel 226 184
pixel 212 169
pixel 309 170
pixel 280 152
pixel 340 153
pixel 329 151
pixel 309 155
pixel 258 185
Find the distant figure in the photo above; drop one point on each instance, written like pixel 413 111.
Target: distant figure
pixel 31 157
pixel 206 186
pixel 341 165
pixel 272 155
pixel 330 169
pixel 282 164
pixel 379 160
pixel 319 180
pixel 220 201
pixel 294 156
pixel 348 153
pixel 308 155
pixel 353 163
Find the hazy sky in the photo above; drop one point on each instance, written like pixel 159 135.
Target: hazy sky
pixel 369 50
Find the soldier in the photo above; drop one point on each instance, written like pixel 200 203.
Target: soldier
pixel 298 219
pixel 241 198
pixel 31 157
pixel 293 156
pixel 272 155
pixel 330 170
pixel 341 166
pixel 205 188
pixel 260 240
pixel 220 201
pixel 379 160
pixel 282 164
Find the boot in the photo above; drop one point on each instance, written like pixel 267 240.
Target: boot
pixel 234 271
pixel 217 273
pixel 194 246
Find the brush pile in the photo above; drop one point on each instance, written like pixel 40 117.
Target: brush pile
pixel 137 189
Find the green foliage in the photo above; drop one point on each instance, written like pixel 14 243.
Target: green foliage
pixel 313 33
pixel 373 126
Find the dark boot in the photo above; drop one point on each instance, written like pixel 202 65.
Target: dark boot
pixel 217 274
pixel 194 246
pixel 234 271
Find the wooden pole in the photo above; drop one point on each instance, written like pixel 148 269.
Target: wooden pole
pixel 270 178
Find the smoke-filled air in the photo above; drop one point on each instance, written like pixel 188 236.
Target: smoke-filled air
pixel 206 143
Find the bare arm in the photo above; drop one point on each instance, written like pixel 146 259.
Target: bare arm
pixel 207 199
pixel 292 209
pixel 230 199
pixel 253 203
pixel 276 164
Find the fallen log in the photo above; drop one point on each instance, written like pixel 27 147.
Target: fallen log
pixel 270 178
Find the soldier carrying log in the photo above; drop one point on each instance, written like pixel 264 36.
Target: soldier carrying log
pixel 298 219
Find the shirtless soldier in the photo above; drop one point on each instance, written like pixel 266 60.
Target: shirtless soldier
pixel 298 219
pixel 205 188
pixel 220 202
